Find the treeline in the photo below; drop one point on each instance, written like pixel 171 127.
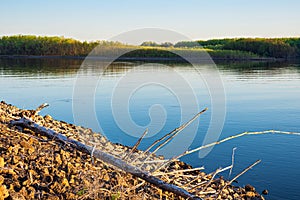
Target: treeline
pixel 243 48
pixel 41 46
pixel 286 48
pixel 277 48
pixel 60 46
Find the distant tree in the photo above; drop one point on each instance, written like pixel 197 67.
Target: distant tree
pixel 150 44
pixel 166 44
pixel 276 48
pixel 187 44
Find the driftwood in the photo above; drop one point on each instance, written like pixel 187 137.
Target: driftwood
pixel 105 157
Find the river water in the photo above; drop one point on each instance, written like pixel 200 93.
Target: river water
pixel 258 96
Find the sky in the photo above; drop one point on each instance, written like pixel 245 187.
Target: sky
pixel 197 19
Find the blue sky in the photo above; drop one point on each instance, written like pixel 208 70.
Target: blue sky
pixel 197 19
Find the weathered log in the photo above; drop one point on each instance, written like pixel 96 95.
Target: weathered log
pixel 105 157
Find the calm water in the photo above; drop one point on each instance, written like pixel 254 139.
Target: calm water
pixel 258 97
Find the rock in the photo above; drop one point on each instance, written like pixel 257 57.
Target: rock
pixel 265 192
pixel 1 179
pixel 16 196
pixel 236 196
pixel 106 177
pixel 3 192
pixel 250 194
pixel 222 182
pixel 231 191
pixel 28 146
pixel 249 188
pixel 47 117
pixel 58 159
pixel 225 191
pixel 65 182
pixel 2 163
pixel 3 119
pixel 72 180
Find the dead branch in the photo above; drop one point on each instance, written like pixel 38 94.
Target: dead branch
pixel 136 145
pixel 224 140
pixel 105 157
pixel 171 135
pixel 178 171
pixel 38 109
pixel 232 161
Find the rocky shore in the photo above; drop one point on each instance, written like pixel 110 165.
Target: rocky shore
pixel 33 166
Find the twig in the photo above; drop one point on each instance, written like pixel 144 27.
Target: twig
pixel 178 171
pixel 136 145
pixel 176 132
pixel 197 185
pixel 192 181
pixel 232 161
pixel 219 170
pixel 136 186
pixel 170 134
pixel 38 109
pixel 237 176
pixel 154 161
pixel 92 153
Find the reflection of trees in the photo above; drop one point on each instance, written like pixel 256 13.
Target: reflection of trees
pixel 69 67
pixel 255 65
pixel 259 69
pixel 39 67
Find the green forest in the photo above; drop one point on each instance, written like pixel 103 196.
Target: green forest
pixel 242 48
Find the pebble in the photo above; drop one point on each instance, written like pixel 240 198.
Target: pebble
pixel 106 177
pixel 2 163
pixel 265 192
pixel 3 192
pixel 250 194
pixel 249 188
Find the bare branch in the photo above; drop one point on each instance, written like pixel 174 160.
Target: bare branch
pixel 170 134
pixel 178 171
pixel 224 140
pixel 38 109
pixel 136 145
pixel 232 161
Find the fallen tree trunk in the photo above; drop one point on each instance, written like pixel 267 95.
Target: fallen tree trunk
pixel 105 157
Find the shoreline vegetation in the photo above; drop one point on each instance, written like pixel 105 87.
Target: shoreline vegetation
pixel 34 165
pixel 256 49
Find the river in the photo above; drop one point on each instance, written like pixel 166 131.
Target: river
pixel 258 96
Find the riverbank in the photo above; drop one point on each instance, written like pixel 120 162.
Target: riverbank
pixel 33 166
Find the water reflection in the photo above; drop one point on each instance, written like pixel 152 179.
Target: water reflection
pixel 69 67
